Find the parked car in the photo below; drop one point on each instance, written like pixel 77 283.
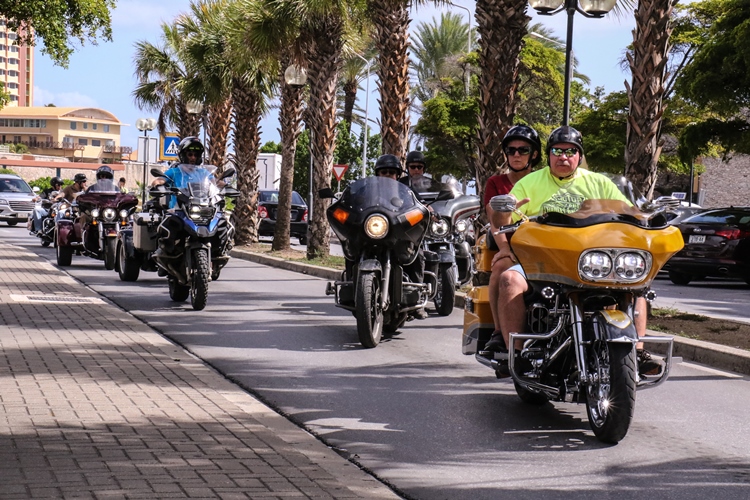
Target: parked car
pixel 268 203
pixel 717 244
pixel 16 199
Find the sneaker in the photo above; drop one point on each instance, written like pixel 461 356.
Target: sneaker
pixel 647 364
pixel 496 343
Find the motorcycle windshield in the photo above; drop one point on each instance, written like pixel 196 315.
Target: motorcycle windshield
pixel 197 181
pixel 429 188
pixel 382 192
pixel 593 212
pixel 103 186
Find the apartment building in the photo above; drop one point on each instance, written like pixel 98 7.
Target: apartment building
pixel 16 67
pixel 88 135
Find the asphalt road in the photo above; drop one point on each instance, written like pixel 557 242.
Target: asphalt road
pixel 426 419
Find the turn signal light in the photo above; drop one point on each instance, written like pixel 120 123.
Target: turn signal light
pixel 340 215
pixel 414 217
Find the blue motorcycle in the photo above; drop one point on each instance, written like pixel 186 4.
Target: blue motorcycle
pixel 195 235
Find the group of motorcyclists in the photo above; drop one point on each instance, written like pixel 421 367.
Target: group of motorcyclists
pixel 560 186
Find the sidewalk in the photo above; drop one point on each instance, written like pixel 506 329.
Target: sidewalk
pixel 714 355
pixel 95 404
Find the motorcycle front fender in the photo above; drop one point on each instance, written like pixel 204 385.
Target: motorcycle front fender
pixel 65 233
pixel 370 265
pixel 614 326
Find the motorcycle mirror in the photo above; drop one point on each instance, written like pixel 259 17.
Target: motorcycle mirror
pixel 157 173
pixel 229 172
pixel 326 193
pixel 503 203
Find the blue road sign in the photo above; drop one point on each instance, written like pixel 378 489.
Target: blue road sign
pixel 169 143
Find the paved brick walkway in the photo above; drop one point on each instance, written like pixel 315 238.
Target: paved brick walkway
pixel 95 404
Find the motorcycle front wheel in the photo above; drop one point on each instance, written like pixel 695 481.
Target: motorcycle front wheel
pixel 446 291
pixel 64 255
pixel 610 396
pixel 201 277
pixel 110 253
pixel 368 313
pixel 127 269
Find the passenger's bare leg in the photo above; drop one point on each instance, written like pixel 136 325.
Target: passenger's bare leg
pixel 498 268
pixel 641 318
pixel 511 307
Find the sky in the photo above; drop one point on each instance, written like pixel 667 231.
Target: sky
pixel 101 75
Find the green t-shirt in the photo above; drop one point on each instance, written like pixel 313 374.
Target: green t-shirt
pixel 547 193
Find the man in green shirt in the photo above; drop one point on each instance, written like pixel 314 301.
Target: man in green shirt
pixel 561 187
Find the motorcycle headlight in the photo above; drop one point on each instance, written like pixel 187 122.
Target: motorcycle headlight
pixel 462 226
pixel 108 214
pixel 439 228
pixel 614 265
pixel 376 226
pixel 630 265
pixel 123 214
pixel 95 213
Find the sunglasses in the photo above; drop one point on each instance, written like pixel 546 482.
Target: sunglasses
pixel 192 153
pixel 416 166
pixel 567 152
pixel 387 171
pixel 523 150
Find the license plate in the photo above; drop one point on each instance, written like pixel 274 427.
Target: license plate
pixel 697 238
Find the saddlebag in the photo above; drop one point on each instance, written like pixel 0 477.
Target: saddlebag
pixel 145 231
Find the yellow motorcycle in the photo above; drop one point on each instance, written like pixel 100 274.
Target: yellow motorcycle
pixel 585 270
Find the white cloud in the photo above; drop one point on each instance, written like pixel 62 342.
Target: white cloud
pixel 43 97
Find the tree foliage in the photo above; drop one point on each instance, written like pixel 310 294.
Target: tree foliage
pixel 718 78
pixel 56 22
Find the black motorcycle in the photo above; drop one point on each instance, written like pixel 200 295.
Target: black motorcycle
pixel 380 225
pixel 448 257
pixel 195 237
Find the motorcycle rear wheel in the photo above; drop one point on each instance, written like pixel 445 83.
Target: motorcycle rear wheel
pixel 110 253
pixel 201 277
pixel 45 242
pixel 368 313
pixel 446 291
pixel 610 397
pixel 177 292
pixel 128 269
pixel 395 323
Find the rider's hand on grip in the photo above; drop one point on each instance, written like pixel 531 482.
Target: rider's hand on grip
pixel 503 203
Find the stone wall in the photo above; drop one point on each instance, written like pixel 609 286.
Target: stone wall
pixel 725 182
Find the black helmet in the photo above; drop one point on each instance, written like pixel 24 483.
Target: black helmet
pixel 55 181
pixel 565 134
pixel 79 178
pixel 526 134
pixel 189 144
pixel 388 161
pixel 416 157
pixel 104 172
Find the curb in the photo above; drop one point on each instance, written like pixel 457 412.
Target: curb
pixel 697 351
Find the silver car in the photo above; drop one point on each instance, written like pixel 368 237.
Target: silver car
pixel 16 199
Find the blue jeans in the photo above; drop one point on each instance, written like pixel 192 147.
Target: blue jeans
pixel 37 216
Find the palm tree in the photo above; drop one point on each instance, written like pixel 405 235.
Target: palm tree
pixel 501 26
pixel 161 73
pixel 391 23
pixel 353 73
pixel 646 92
pixel 436 50
pixel 269 33
pixel 204 49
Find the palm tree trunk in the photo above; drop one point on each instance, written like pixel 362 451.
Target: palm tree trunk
pixel 391 19
pixel 350 98
pixel 218 125
pixel 290 119
pixel 325 59
pixel 646 93
pixel 246 106
pixel 189 125
pixel 501 25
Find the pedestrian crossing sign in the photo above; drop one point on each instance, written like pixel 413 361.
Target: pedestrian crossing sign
pixel 169 143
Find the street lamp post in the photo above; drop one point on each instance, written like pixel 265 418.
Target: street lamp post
pixel 195 107
pixel 588 8
pixel 367 102
pixel 296 76
pixel 468 48
pixel 145 125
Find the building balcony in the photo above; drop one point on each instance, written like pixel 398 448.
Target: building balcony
pixel 67 146
pixel 122 150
